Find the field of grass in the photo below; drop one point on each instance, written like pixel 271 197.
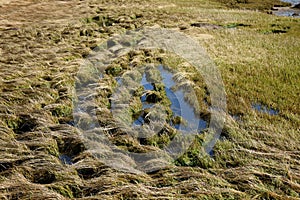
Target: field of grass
pixel 43 44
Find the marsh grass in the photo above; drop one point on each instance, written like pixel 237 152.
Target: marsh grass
pixel 253 4
pixel 257 156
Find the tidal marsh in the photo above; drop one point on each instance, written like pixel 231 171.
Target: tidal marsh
pixel 256 157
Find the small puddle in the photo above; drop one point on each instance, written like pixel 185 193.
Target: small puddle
pixel 293 2
pixel 265 109
pixel 179 106
pixel 65 159
pixel 286 12
pixel 292 11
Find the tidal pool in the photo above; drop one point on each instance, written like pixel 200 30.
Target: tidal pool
pixel 265 109
pixel 65 159
pixel 288 11
pixel 179 106
pixel 293 2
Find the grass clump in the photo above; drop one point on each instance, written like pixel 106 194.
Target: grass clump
pixel 195 156
pixel 63 190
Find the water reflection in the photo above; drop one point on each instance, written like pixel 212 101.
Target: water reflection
pixel 65 159
pixel 265 109
pixel 179 106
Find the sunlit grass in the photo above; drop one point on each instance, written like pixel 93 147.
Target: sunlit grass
pixel 257 156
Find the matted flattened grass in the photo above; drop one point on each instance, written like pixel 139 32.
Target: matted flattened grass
pixel 257 156
pixel 253 4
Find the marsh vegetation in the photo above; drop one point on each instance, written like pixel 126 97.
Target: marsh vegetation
pixel 42 153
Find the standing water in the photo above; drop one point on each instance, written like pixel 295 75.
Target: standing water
pixel 293 11
pixel 293 2
pixel 179 106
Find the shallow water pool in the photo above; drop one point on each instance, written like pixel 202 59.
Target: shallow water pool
pixel 179 106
